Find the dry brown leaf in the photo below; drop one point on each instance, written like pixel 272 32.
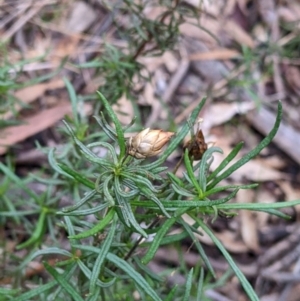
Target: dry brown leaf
pixel 214 8
pixel 151 63
pixel 260 33
pixel 215 54
pixel 35 124
pixel 257 171
pixel 292 76
pixel 286 14
pixel 248 222
pixel 263 196
pixel 170 61
pixel 275 162
pixel 212 28
pixel 148 95
pixel 66 46
pixel 238 34
pixel 291 193
pixel 220 113
pixel 81 17
pixel 29 94
pixel 124 110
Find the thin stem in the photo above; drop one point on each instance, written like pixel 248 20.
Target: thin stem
pixel 133 248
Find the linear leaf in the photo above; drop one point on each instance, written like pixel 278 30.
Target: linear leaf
pixel 102 256
pixel 134 275
pixel 119 130
pixel 62 280
pixel 253 152
pixel 97 228
pixel 244 282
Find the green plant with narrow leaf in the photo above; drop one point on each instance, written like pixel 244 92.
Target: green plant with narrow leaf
pixel 127 196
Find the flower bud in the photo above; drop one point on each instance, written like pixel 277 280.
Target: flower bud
pixel 148 143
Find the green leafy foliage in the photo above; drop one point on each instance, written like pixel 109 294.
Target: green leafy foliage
pixel 125 195
pixel 128 192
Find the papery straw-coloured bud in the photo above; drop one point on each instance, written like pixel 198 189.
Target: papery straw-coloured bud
pixel 148 143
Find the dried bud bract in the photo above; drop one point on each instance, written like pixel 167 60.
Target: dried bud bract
pixel 196 146
pixel 148 143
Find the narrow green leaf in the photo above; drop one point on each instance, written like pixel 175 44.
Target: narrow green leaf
pixel 190 172
pixel 88 196
pixel 109 131
pixel 36 291
pixel 276 213
pixel 37 233
pixel 175 179
pixel 73 99
pixel 83 212
pixel 66 170
pixel 87 272
pixel 102 255
pixel 244 282
pixel 171 295
pixel 9 173
pixel 171 239
pixel 139 180
pixel 97 228
pixel 199 247
pixel 119 130
pixel 252 153
pixel 204 166
pixel 147 271
pixel 127 212
pixel 125 194
pixel 88 154
pixel 17 213
pixel 8 291
pixel 62 280
pixel 106 190
pixel 223 188
pixel 226 161
pixel 188 286
pixel 159 236
pixel 150 195
pixel 95 296
pixel 174 204
pixel 134 275
pixel 106 145
pixel 181 191
pixel 122 210
pixel 53 163
pixel 41 289
pixel 200 285
pixel 259 206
